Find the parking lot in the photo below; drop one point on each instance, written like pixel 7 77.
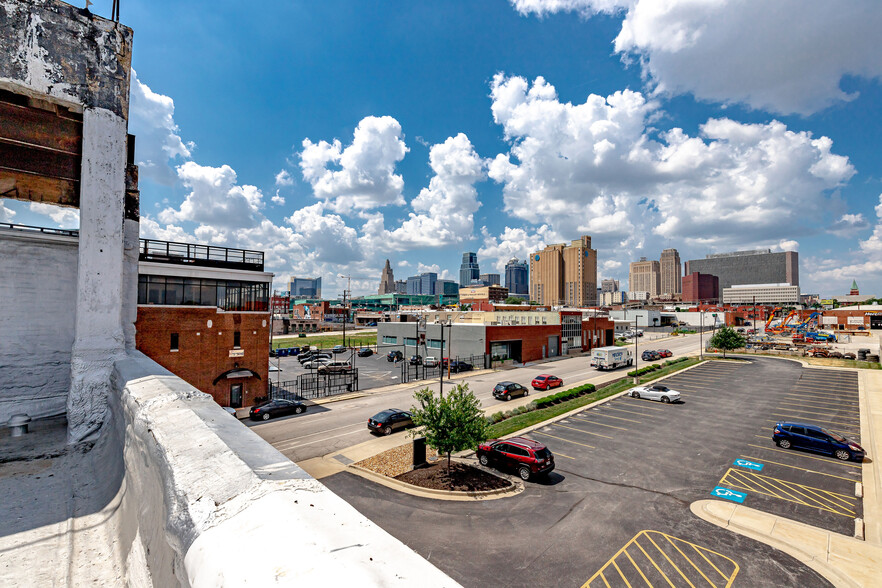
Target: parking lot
pixel 373 371
pixel 616 509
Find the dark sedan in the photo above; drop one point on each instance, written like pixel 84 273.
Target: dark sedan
pixel 814 438
pixel 509 390
pixel 460 366
pixel 365 352
pixel 276 408
pixel 389 420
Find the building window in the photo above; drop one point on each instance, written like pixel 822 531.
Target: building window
pixel 237 339
pixel 387 339
pixel 434 344
pixel 174 342
pixel 410 341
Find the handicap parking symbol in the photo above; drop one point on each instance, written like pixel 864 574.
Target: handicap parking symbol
pixel 732 495
pixel 749 464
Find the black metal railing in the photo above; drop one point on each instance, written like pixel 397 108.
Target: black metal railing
pixel 45 230
pixel 314 385
pixel 204 255
pixel 414 372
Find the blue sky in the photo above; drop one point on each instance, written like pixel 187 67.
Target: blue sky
pixel 336 134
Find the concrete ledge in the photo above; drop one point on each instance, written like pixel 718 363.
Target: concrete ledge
pixel 453 495
pixel 844 561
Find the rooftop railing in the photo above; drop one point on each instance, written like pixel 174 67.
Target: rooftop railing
pixel 200 255
pixel 44 230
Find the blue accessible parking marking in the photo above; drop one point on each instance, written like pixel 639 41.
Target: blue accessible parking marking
pixel 749 464
pixel 732 495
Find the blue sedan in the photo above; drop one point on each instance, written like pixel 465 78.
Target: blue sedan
pixel 813 438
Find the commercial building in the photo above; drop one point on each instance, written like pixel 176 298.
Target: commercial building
pixel 414 284
pixel 477 293
pixel 564 274
pixel 423 284
pixel 517 277
pixel 400 287
pixel 609 285
pixel 203 314
pixel 779 294
pixel 446 288
pixel 698 287
pixel 387 280
pixel 616 297
pixel 644 276
pixel 490 279
pixel 305 287
pixel 638 296
pixel 469 270
pixel 749 267
pixel 671 273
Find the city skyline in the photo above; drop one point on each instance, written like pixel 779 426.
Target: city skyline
pixel 455 152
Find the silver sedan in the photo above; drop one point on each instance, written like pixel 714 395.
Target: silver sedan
pixel 655 392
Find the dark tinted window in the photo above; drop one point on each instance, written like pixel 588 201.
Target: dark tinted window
pixel 815 434
pixel 796 430
pixel 237 339
pixel 519 451
pixel 383 415
pixel 503 447
pixel 542 453
pixel 174 342
pixel 836 436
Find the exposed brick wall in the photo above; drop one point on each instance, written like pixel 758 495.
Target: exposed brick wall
pixel 532 338
pixel 204 352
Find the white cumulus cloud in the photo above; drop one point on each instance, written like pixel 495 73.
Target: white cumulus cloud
pixel 283 178
pixel 788 56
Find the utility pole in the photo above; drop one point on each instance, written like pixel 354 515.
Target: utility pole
pixel 636 377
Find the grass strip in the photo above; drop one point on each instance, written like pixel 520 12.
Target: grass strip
pixel 524 420
pixel 326 341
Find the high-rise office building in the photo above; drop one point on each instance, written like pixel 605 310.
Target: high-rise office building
pixel 644 276
pixel 564 274
pixel 387 280
pixel 517 277
pixel 490 279
pixel 401 286
pixel 427 282
pixel 671 272
pixel 305 287
pixel 609 285
pixel 469 269
pixel 446 287
pixel 749 267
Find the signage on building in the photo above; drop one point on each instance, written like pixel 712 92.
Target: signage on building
pixel 237 353
pixel 855 320
pixel 827 301
pixel 829 320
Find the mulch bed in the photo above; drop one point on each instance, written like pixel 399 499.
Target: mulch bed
pixel 462 478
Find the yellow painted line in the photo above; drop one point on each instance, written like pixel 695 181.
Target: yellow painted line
pixel 609 416
pixel 603 424
pixel 803 397
pixel 647 407
pixel 664 546
pixel 842 394
pixel 556 453
pixel 783 489
pixel 562 439
pixel 817 420
pixel 843 414
pixel 581 431
pixel 790 452
pixel 824 402
pixel 763 460
pixel 643 414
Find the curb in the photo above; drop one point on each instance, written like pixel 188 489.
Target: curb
pixel 451 495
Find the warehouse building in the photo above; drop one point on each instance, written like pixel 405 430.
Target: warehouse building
pixel 749 267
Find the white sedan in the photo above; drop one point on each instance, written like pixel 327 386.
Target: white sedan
pixel 655 392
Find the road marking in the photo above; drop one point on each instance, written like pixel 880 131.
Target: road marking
pixel 562 439
pixel 662 560
pixel 581 431
pixel 842 394
pixel 834 423
pixel 643 414
pixel 838 413
pixel 603 424
pixel 595 412
pixel 803 397
pixel 728 494
pixel 646 407
pixel 802 469
pixel 556 453
pixel 790 452
pixel 288 447
pixel 790 491
pixel 751 465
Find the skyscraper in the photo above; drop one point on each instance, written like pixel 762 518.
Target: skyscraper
pixel 469 269
pixel 644 276
pixel 671 272
pixel 387 280
pixel 490 279
pixel 517 277
pixel 749 267
pixel 565 274
pixel 427 282
pixel 609 285
pixel 305 287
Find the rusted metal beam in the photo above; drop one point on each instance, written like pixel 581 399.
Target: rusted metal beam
pixel 22 186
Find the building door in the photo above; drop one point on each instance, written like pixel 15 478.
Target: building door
pixel 875 321
pixel 553 346
pixel 236 395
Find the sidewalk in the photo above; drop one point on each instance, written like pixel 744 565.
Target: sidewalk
pixel 844 561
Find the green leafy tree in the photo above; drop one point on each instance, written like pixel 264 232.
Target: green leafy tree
pixel 514 300
pixel 450 423
pixel 727 339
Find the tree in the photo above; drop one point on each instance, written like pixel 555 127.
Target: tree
pixel 727 339
pixel 514 300
pixel 450 423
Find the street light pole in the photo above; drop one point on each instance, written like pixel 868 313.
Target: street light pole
pixel 700 332
pixel 636 377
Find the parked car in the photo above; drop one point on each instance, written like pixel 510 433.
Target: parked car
pixel 655 392
pixel 416 359
pixel 460 366
pixel 650 355
pixel 335 367
pixel 312 356
pixel 389 420
pixel 546 381
pixel 665 353
pixel 365 352
pixel 372 324
pixel 509 390
pixel 814 438
pixel 229 410
pixel 317 363
pixel 275 408
pixel 394 356
pixel 529 458
pixel 338 349
pixel 431 362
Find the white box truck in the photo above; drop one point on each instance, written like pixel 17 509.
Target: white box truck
pixel 610 358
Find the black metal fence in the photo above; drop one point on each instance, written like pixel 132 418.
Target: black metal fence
pixel 416 372
pixel 314 385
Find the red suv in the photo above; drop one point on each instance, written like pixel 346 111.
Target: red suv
pixel 529 458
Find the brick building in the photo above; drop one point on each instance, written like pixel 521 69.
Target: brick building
pixel 203 314
pixel 564 274
pixel 698 287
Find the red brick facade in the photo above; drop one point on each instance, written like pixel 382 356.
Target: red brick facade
pixel 532 338
pixel 204 351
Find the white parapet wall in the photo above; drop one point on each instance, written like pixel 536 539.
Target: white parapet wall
pixel 209 503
